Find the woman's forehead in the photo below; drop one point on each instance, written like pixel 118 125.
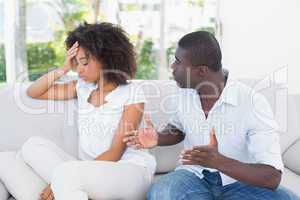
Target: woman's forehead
pixel 82 53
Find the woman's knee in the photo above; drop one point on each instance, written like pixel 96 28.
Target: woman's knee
pixel 29 148
pixel 65 179
pixel 65 182
pixel 65 173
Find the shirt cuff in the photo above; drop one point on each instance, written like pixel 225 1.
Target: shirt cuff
pixel 274 161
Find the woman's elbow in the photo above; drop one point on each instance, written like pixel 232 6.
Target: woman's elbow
pixel 30 93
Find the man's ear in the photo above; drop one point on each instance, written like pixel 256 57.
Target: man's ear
pixel 202 70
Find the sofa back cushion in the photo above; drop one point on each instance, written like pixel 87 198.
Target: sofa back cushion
pixel 291 157
pixel 292 132
pixel 160 105
pixel 22 117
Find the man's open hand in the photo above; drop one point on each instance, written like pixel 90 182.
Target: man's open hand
pixel 206 156
pixel 47 194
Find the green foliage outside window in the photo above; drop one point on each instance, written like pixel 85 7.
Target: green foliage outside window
pixel 42 56
pixel 145 61
pixel 2 63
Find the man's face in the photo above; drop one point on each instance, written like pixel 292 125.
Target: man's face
pixel 182 68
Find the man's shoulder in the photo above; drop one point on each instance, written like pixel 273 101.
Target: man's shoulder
pixel 248 95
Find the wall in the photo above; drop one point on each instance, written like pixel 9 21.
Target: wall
pixel 262 38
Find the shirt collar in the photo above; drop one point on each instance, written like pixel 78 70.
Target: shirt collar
pixel 229 94
pixel 110 96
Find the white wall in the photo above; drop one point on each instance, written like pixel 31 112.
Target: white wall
pixel 261 36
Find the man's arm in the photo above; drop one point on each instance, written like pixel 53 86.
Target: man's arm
pixel 254 174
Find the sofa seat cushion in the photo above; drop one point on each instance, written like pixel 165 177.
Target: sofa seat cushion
pixel 291 180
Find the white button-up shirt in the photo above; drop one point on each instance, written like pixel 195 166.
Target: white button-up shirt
pixel 243 121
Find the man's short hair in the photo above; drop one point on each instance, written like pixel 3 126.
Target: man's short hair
pixel 204 49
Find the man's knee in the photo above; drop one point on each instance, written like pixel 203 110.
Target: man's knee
pixel 158 191
pixel 167 187
pixel 239 190
pixel 285 194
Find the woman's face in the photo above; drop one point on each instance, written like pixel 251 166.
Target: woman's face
pixel 88 67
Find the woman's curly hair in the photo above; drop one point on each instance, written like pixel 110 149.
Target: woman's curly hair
pixel 110 45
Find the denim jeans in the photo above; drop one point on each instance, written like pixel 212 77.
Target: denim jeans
pixel 182 184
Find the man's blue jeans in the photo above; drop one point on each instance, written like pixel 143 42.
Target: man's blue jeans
pixel 182 184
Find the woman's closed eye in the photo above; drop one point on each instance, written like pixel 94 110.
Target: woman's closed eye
pixel 84 64
pixel 83 61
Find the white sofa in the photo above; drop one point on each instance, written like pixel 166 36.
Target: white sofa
pixel 22 117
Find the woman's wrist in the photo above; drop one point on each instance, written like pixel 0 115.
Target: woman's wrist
pixel 61 71
pixel 65 69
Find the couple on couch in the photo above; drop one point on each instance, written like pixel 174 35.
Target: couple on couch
pixel 231 147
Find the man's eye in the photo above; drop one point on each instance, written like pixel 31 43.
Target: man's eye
pixel 85 64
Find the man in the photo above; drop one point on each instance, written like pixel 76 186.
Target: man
pixel 231 147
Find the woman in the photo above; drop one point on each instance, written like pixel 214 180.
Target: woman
pixel 108 107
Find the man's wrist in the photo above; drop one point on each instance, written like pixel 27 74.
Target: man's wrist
pixel 223 163
pixel 158 140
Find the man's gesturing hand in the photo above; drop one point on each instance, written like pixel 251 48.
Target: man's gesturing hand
pixel 206 156
pixel 47 194
pixel 143 138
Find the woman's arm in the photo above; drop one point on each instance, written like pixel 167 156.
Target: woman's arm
pixel 46 88
pixel 130 121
